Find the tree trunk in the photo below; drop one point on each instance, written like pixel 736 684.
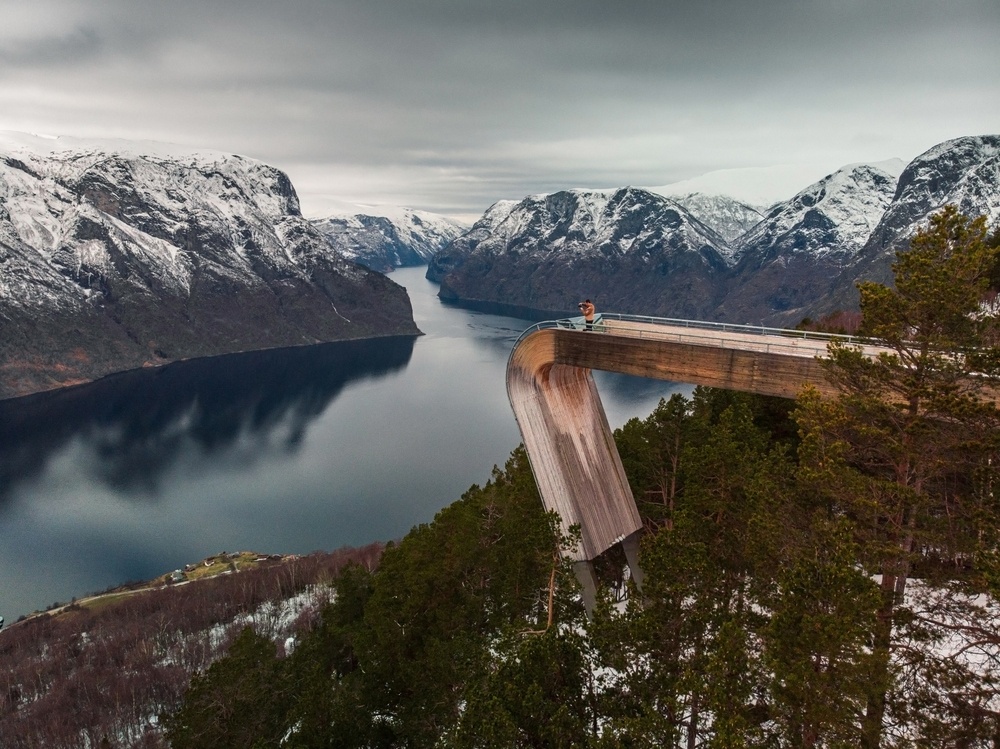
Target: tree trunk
pixel 874 717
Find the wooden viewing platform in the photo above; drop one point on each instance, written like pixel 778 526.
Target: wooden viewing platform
pixel 565 430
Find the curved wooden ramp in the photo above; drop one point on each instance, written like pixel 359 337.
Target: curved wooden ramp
pixel 564 427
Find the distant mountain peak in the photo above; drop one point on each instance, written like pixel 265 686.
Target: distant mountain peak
pixel 392 238
pixel 964 172
pixel 692 250
pixel 731 218
pixel 833 215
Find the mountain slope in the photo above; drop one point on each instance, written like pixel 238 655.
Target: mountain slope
pixel 787 261
pixel 964 172
pixel 638 251
pixel 729 217
pixel 117 256
pixel 617 247
pixel 384 242
pixel 453 254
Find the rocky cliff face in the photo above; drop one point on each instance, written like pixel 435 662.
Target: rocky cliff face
pixel 625 248
pixel 382 243
pixel 116 256
pixel 452 255
pixel 964 172
pixel 792 259
pixel 730 218
pixel 635 251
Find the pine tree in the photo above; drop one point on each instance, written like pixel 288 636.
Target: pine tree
pixel 691 671
pixel 328 706
pixel 445 594
pixel 897 451
pixel 239 702
pixel 537 692
pixel 816 641
pixel 651 452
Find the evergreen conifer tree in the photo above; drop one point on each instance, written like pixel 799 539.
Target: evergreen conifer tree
pixel 900 452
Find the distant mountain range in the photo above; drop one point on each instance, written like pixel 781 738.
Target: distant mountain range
pixel 712 257
pixel 624 246
pixel 120 255
pixel 117 255
pixel 401 238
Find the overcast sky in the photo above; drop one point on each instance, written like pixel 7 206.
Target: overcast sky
pixel 450 105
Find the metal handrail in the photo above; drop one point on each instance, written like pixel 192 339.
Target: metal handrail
pixel 577 323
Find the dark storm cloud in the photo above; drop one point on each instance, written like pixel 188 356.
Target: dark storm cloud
pixel 451 104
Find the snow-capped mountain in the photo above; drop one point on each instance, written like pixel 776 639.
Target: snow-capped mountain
pixel 120 255
pixel 618 247
pixel 640 252
pixel 964 172
pixel 396 239
pixel 454 253
pixel 788 261
pixel 729 217
pixel 835 215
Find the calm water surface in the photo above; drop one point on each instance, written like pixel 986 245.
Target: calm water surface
pixel 286 451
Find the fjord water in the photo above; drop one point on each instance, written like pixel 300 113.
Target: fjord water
pixel 286 451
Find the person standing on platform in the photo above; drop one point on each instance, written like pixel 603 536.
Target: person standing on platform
pixel 587 309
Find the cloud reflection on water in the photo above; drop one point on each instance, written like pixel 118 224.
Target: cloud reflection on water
pixel 138 423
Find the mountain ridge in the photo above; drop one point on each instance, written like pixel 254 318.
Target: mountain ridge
pixel 803 258
pixel 118 259
pixel 391 240
pixel 547 252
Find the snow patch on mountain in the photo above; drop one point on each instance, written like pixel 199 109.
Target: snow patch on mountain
pixel 578 223
pixel 835 215
pixel 894 166
pixel 392 238
pixel 130 254
pixel 731 218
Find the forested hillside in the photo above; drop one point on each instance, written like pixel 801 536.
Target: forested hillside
pixel 818 573
pixel 99 671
